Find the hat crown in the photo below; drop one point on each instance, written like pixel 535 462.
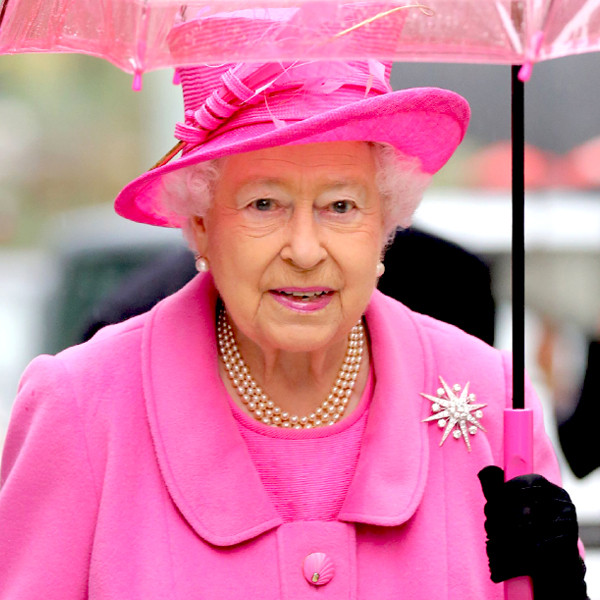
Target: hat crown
pixel 276 92
pixel 200 81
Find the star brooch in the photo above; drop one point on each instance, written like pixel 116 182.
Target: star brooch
pixel 455 411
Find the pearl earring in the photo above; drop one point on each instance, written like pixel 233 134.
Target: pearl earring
pixel 201 264
pixel 380 269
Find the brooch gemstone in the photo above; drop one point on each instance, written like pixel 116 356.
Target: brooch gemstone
pixel 456 412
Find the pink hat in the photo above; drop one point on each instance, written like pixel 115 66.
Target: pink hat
pixel 231 109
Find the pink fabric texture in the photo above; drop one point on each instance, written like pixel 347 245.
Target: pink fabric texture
pixel 307 473
pixel 231 109
pixel 125 476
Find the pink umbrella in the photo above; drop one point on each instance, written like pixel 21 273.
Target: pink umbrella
pixel 134 34
pixel 142 35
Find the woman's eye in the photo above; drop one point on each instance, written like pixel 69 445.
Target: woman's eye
pixel 342 206
pixel 263 204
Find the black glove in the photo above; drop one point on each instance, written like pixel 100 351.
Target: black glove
pixel 532 530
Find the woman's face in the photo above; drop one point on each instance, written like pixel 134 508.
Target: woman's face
pixel 293 238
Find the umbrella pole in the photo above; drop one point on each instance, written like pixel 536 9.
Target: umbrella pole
pixel 518 421
pixel 518 237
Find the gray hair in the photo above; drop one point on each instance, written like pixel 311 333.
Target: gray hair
pixel 188 192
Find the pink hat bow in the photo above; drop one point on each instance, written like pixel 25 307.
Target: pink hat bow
pixel 246 85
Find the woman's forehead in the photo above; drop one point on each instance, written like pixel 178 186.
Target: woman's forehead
pixel 338 161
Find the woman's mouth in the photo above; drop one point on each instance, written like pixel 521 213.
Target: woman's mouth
pixel 303 299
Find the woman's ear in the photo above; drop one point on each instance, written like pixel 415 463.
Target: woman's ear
pixel 199 234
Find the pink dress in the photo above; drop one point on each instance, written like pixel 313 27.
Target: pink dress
pixel 307 473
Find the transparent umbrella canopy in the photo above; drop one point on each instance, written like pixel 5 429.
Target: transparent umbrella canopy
pixel 142 35
pixel 137 35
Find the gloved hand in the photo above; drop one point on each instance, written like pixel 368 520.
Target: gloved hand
pixel 532 530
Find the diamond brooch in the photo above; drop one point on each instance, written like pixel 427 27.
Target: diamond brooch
pixel 455 411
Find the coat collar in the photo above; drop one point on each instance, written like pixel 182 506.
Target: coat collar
pixel 203 458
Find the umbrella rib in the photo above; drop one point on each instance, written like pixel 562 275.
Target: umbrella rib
pixel 579 21
pixel 3 11
pixel 510 29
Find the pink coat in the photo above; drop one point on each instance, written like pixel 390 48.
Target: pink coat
pixel 125 477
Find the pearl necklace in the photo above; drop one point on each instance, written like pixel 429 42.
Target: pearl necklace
pixel 258 403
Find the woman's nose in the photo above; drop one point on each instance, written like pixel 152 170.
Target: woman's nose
pixel 303 245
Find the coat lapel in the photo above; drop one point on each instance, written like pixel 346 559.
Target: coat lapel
pixel 203 459
pixel 392 469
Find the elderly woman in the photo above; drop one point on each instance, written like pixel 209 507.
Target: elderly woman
pixel 278 428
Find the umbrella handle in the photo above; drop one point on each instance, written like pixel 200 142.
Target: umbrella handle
pixel 518 460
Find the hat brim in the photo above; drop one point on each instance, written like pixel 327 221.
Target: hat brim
pixel 425 123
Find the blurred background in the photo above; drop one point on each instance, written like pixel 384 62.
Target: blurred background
pixel 72 133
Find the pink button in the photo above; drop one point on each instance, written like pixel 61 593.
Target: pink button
pixel 318 568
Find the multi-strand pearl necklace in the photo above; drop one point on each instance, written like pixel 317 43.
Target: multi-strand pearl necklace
pixel 258 403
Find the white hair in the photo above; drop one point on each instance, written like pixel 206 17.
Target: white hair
pixel 188 192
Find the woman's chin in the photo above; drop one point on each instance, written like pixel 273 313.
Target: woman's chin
pixel 307 337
